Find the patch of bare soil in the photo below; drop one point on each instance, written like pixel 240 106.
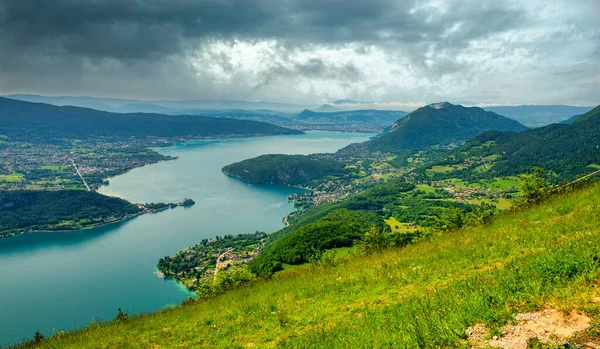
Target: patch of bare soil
pixel 549 326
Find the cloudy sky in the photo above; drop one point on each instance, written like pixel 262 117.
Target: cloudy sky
pixel 305 51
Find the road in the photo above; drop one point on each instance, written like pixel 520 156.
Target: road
pixel 80 176
pixel 219 260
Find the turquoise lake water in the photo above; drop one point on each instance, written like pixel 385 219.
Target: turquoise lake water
pixel 59 281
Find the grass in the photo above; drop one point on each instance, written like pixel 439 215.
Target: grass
pixel 502 203
pixel 595 166
pixel 398 226
pixel 11 178
pixel 425 188
pixel 440 169
pixel 504 183
pixel 424 295
pixel 54 167
pixel 340 253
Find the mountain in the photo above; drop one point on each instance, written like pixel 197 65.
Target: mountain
pixel 144 108
pixel 571 119
pixel 382 118
pixel 539 115
pixel 567 149
pixel 156 106
pixel 441 124
pixel 345 101
pixel 38 122
pixel 327 108
pixel 377 116
pixel 591 117
pixel 262 115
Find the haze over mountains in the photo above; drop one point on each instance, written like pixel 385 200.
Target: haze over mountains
pixel 39 122
pixel 157 106
pixel 539 115
pixel 278 113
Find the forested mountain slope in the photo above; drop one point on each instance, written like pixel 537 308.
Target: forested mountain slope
pixel 567 149
pixel 441 124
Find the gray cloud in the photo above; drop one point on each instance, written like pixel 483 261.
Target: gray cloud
pixel 313 68
pixel 146 28
pixel 146 48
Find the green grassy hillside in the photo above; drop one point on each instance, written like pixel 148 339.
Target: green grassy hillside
pixel 424 295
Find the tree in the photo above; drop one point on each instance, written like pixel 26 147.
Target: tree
pixel 373 241
pixel 534 187
pixel 120 315
pixel 37 337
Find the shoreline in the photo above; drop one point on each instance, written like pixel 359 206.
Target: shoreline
pixel 96 225
pixel 173 144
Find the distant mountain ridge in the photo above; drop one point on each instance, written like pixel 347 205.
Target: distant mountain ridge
pixel 539 115
pixel 118 105
pixel 38 122
pixel 441 124
pixel 387 116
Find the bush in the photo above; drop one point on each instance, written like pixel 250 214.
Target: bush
pixel 534 187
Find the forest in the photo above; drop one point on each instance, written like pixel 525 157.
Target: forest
pixel 566 149
pixel 285 169
pixel 345 223
pixel 33 210
pixel 441 124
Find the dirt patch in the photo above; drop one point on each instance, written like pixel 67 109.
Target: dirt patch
pixel 548 325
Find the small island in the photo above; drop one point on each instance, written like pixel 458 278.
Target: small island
pixel 162 206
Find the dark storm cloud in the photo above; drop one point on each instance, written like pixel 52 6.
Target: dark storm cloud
pixel 123 29
pixel 162 48
pixel 146 29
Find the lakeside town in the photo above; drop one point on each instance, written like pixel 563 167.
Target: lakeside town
pixel 200 265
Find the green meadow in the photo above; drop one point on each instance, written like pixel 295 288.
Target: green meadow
pixel 424 295
pixel 11 178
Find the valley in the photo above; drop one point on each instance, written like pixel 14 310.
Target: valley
pixel 89 274
pixel 392 190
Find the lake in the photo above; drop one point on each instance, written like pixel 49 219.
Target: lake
pixel 59 281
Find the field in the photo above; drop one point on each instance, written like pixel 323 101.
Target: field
pixel 399 227
pixel 426 188
pixel 502 203
pixel 504 183
pixel 54 168
pixel 441 169
pixel 424 295
pixel 11 178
